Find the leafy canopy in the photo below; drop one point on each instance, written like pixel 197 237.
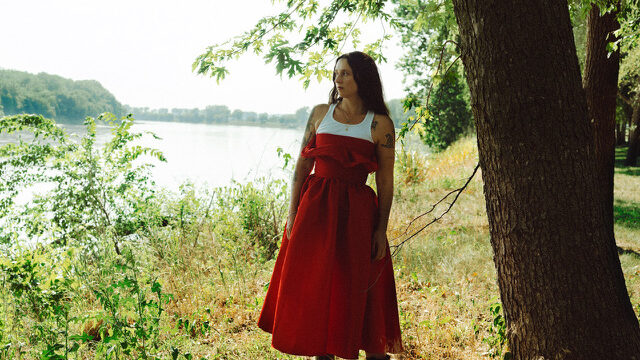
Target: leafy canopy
pixel 301 40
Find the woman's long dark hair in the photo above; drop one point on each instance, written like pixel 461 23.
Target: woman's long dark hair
pixel 365 73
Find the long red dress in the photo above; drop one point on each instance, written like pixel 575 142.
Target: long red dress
pixel 326 295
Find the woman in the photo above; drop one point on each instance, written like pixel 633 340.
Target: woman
pixel 332 291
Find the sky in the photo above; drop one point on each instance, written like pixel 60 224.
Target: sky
pixel 142 51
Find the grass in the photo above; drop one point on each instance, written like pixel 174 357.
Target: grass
pixel 621 154
pixel 445 276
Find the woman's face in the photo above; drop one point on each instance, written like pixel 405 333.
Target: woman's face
pixel 343 79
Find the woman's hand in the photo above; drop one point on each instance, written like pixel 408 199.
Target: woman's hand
pixel 379 244
pixel 290 220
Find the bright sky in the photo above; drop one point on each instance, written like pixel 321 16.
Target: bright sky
pixel 142 51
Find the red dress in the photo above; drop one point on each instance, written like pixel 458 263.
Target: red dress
pixel 326 295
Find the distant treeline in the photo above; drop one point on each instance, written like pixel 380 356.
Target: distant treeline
pixel 70 101
pixel 53 96
pixel 220 114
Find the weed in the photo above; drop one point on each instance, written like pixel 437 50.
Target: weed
pixel 497 338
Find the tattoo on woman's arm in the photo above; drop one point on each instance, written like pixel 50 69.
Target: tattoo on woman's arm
pixel 373 124
pixel 307 135
pixel 389 143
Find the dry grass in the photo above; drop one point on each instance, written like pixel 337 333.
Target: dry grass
pixel 445 275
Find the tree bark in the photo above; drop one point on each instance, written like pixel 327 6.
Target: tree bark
pixel 634 138
pixel 559 274
pixel 601 88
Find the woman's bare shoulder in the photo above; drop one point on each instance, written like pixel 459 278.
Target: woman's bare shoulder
pixel 318 113
pixel 382 122
pixel 320 110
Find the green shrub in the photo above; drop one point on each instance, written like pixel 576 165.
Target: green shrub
pixel 40 288
pixel 96 192
pixel 447 117
pixel 259 208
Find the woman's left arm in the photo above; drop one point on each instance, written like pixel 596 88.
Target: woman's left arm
pixel 383 134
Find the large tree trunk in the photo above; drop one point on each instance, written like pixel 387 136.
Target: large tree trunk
pixel 634 139
pixel 601 88
pixel 559 274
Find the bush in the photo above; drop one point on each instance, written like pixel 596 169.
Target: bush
pixel 96 192
pixel 260 208
pixel 447 118
pixel 40 291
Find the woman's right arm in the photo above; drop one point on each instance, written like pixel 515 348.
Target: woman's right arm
pixel 303 168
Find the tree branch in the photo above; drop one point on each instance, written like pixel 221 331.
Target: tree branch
pixel 437 69
pixel 457 191
pixel 624 98
pixel 398 247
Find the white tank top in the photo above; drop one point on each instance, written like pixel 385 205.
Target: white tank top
pixel 362 130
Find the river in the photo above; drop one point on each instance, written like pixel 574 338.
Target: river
pixel 205 154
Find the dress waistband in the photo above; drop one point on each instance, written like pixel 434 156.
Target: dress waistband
pixel 334 171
